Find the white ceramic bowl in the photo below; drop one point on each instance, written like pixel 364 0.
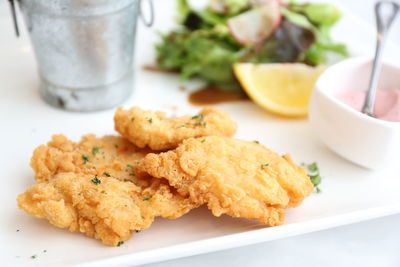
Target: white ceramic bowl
pixel 366 141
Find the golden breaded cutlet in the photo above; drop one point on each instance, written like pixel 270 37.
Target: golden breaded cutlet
pixel 68 171
pixel 239 178
pixel 108 155
pixel 146 128
pixel 104 208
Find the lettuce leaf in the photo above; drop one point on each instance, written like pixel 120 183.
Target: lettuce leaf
pixel 205 54
pixel 203 46
pixel 319 18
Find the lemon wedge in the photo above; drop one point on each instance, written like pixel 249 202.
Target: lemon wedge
pixel 281 88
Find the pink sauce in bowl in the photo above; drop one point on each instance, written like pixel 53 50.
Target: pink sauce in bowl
pixel 387 103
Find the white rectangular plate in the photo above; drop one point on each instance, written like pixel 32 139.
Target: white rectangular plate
pixel 349 193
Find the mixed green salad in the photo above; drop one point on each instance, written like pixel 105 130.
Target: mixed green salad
pixel 210 39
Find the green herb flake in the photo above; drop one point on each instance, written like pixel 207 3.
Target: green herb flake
pixel 198 124
pixel 138 231
pixel 129 165
pixel 96 180
pixel 203 140
pixel 315 176
pixel 106 174
pixel 315 179
pixel 95 150
pixel 181 126
pixel 198 117
pixel 120 243
pixel 257 142
pixel 264 165
pixel 150 120
pixel 133 118
pixel 17 230
pixel 313 167
pixel 33 256
pixel 147 198
pixel 143 217
pixel 85 158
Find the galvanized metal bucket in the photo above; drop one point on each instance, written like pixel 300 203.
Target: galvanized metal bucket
pixel 84 50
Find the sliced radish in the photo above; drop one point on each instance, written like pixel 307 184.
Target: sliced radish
pixel 257 24
pixel 198 5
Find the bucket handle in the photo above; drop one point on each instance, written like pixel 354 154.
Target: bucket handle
pixel 14 16
pixel 148 22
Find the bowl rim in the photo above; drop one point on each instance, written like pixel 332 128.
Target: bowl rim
pixel 334 68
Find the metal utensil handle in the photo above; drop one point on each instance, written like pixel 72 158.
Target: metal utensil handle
pixel 149 22
pixel 14 16
pixel 383 27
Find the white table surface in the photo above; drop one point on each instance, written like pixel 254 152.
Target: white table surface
pixel 372 243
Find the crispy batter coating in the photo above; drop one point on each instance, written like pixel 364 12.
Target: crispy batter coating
pixel 156 131
pixel 101 207
pixel 65 170
pixel 108 156
pixel 239 178
pixel 113 155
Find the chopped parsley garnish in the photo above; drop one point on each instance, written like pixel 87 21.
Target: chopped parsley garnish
pixel 198 117
pixel 96 180
pixel 315 176
pixel 255 141
pixel 150 120
pixel 138 231
pixel 147 198
pixel 181 126
pixel 202 123
pixel 129 165
pixel 107 174
pixel 143 217
pixel 85 158
pixel 313 167
pixel 33 256
pixel 203 140
pixel 17 230
pixel 264 165
pixel 95 150
pixel 133 118
pixel 120 243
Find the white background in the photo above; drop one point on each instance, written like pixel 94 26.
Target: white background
pixel 373 243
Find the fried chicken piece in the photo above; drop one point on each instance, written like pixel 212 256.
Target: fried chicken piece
pixel 101 207
pixel 239 178
pixel 108 155
pixel 156 131
pixel 91 187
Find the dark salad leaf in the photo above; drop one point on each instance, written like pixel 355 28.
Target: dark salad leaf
pixel 287 45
